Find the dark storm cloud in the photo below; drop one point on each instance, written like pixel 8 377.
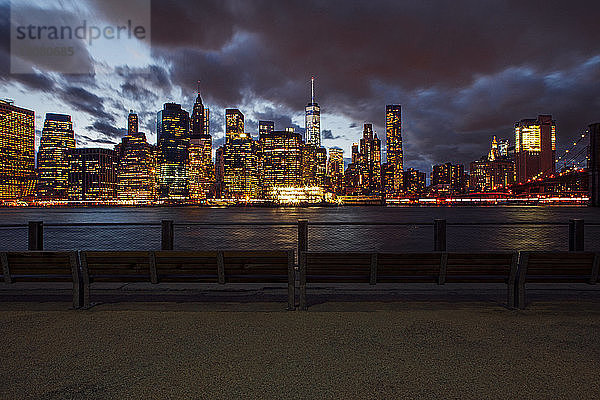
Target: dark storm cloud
pixel 463 71
pixel 107 130
pixel 86 101
pixel 326 134
pixel 94 140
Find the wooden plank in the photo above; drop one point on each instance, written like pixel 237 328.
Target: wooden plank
pixel 595 269
pixel 5 268
pixel 522 274
pixel 373 275
pixel 74 261
pixel 221 267
pixel 152 264
pixel 443 266
pixel 291 280
pixel 302 266
pixel 85 277
pixel 512 279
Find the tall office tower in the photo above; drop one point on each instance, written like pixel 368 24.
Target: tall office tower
pixel 393 133
pixel 448 177
pixel 370 160
pixel 132 123
pixel 314 165
pixel 313 118
pixel 206 121
pixel 265 127
pixel 53 157
pixel 136 168
pixel 172 129
pixel 240 169
pixel 17 151
pixel 219 171
pixel 280 160
pixel 200 165
pixel 234 125
pixel 93 174
pixel 535 145
pixel 335 170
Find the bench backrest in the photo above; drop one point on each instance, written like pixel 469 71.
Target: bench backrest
pixel 559 267
pixel 39 266
pixel 408 267
pixel 188 266
pixel 435 267
pixel 116 266
pixel 337 267
pixel 258 266
pixel 476 267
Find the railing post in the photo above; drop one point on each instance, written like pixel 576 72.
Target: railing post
pixel 36 235
pixel 439 235
pixel 576 234
pixel 302 236
pixel 166 238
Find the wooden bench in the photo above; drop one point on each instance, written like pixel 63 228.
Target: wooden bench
pixel 555 267
pixel 189 266
pixel 433 267
pixel 42 266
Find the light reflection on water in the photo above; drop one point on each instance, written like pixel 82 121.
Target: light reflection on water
pixel 321 238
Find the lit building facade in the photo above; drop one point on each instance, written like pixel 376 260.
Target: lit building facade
pixel 280 160
pixel 136 167
pixel 93 174
pixel 491 175
pixel 393 133
pixel 234 125
pixel 172 129
pixel 240 169
pixel 200 165
pixel 363 175
pixel 335 170
pixel 53 160
pixel 413 181
pixel 17 151
pixel 314 165
pixel 265 127
pixel 313 119
pixel 535 146
pixel 449 177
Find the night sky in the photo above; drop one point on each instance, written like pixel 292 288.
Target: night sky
pixel 462 70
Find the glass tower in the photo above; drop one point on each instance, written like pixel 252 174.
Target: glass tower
pixel 53 157
pixel 17 151
pixel 313 119
pixel 172 129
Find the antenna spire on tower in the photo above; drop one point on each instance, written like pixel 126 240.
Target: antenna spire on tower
pixel 312 89
pixel 198 87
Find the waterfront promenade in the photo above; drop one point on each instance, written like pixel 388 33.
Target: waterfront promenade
pixel 230 349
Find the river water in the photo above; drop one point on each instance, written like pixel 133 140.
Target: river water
pixel 335 237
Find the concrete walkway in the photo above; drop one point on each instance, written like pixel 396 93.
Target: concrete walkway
pixel 231 349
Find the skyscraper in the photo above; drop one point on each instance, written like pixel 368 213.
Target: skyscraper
pixel 335 170
pixel 393 132
pixel 448 177
pixel 363 175
pixel 53 157
pixel 234 125
pixel 313 119
pixel 265 127
pixel 280 160
pixel 200 165
pixel 535 145
pixel 172 129
pixel 136 169
pixel 17 151
pixel 93 174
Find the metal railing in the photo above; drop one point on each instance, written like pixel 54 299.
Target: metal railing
pixel 304 235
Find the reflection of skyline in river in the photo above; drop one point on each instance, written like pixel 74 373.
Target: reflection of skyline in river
pixel 321 238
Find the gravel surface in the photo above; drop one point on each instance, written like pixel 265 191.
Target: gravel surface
pixel 336 350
